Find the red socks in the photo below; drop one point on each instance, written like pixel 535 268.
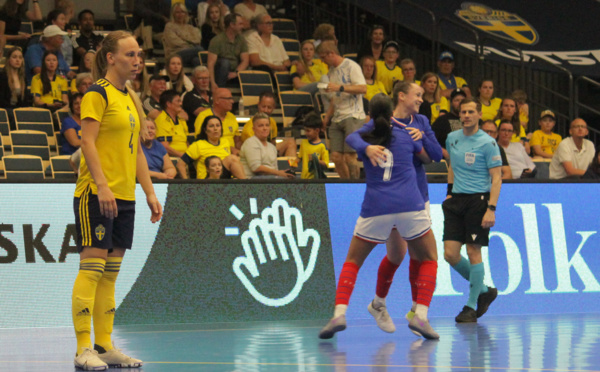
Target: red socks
pixel 422 277
pixel 346 283
pixel 425 282
pixel 413 275
pixel 385 276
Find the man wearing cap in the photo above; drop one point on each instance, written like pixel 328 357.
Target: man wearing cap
pixel 450 122
pixel 574 154
pixel 447 80
pixel 152 107
pixel 544 142
pixel 51 39
pixel 388 70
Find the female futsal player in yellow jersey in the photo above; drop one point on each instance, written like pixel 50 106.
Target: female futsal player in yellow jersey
pixel 104 202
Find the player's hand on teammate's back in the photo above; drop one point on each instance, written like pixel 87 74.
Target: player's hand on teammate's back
pixel 155 208
pixel 107 201
pixel 376 154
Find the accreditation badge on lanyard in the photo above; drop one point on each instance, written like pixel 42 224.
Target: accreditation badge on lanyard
pixel 469 158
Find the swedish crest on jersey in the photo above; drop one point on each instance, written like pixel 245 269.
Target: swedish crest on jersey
pixel 131 122
pixel 100 231
pixel 500 23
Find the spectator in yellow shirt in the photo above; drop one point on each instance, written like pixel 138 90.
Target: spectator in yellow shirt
pixel 508 111
pixel 544 142
pixel 433 96
pixel 409 70
pixel 521 98
pixel 313 145
pixel 489 104
pixel 369 69
pixel 307 71
pixel 388 70
pixel 50 90
pixel 171 130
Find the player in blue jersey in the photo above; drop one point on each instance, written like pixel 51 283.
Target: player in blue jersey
pixel 396 246
pixel 392 201
pixel 474 182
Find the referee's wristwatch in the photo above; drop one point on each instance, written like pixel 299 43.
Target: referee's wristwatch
pixel 492 207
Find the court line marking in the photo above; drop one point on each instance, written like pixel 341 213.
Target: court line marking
pixel 335 365
pixel 235 329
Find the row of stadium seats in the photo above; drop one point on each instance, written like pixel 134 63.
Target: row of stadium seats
pixel 34 127
pixel 31 167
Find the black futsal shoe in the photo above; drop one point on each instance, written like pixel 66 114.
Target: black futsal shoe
pixel 467 315
pixel 485 300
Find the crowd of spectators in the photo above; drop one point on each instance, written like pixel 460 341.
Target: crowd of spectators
pixel 192 114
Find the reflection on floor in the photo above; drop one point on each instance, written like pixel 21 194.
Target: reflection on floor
pixel 508 343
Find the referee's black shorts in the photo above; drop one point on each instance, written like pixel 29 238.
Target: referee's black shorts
pixel 97 231
pixel 463 214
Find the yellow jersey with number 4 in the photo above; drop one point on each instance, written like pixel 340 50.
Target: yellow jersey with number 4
pixel 117 141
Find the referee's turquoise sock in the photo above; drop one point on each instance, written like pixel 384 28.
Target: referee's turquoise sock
pixel 463 267
pixel 477 287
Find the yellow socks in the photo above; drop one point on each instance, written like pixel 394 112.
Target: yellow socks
pixel 105 306
pixel 82 301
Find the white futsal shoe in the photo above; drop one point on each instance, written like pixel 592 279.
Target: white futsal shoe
pixel 382 317
pixel 423 328
pixel 335 325
pixel 88 360
pixel 115 358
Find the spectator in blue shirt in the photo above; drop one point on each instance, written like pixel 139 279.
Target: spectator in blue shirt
pixel 71 126
pixel 159 162
pixel 51 40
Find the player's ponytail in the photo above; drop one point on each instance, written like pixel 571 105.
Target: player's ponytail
pixel 380 108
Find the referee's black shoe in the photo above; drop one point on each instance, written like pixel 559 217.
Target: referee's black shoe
pixel 485 300
pixel 467 315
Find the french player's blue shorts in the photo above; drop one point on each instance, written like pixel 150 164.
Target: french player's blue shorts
pixel 377 229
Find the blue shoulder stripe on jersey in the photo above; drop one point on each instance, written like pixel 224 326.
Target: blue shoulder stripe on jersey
pixel 98 89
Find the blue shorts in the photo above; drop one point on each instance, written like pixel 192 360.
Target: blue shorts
pixel 97 231
pixel 377 229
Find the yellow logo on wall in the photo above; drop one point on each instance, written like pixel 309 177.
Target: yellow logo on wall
pixel 498 22
pixel 100 232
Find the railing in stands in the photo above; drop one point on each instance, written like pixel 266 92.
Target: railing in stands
pixel 482 53
pixel 578 105
pixel 420 7
pixel 312 15
pixel 564 98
